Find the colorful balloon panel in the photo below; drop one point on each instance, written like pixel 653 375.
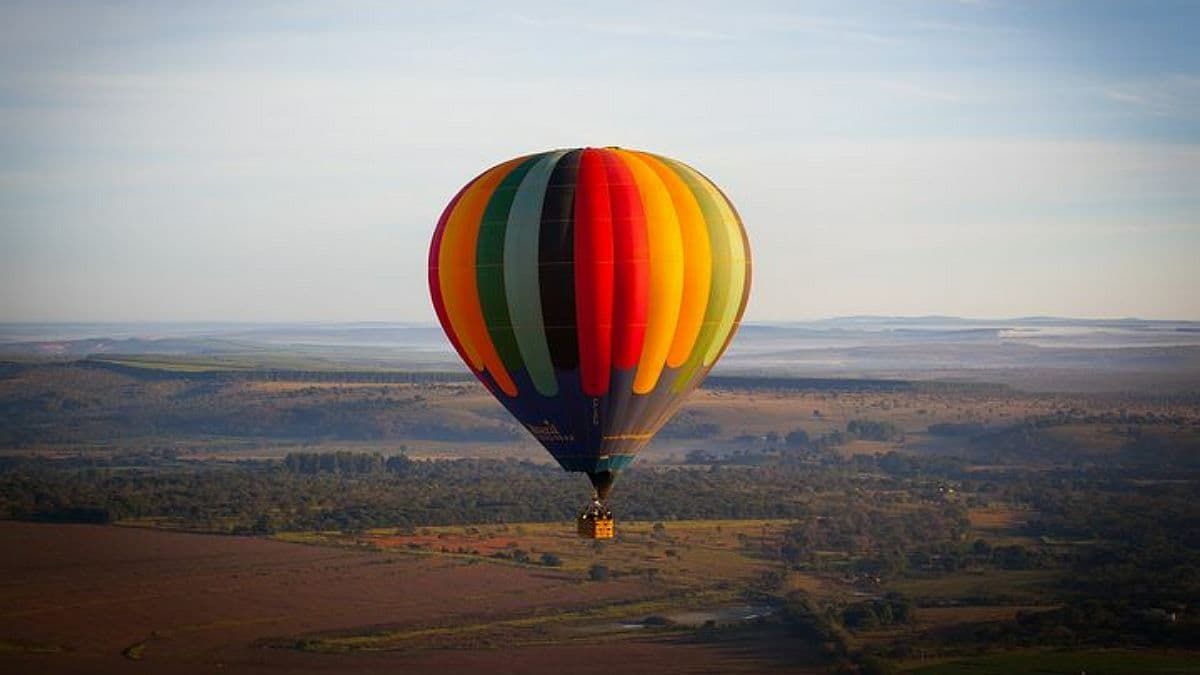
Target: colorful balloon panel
pixel 590 290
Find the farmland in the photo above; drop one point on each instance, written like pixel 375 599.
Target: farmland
pixel 390 520
pixel 82 598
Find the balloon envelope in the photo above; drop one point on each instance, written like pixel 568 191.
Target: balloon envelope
pixel 590 290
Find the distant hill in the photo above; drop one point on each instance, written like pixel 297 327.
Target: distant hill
pixel 1030 352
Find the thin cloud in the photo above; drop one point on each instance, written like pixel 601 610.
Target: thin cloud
pixel 626 28
pixel 148 147
pixel 1171 96
pixel 965 28
pixel 836 28
pixel 922 92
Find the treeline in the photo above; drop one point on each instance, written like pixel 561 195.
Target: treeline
pixel 688 424
pixel 1083 622
pixel 148 371
pixel 773 447
pixel 348 490
pixel 873 430
pixel 1142 439
pixel 857 385
pixel 346 462
pixel 63 404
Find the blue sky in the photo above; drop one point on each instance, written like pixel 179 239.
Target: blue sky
pixel 287 161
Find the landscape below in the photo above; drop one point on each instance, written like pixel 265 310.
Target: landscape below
pixel 394 519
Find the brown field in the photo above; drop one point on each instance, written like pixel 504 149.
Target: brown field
pixel 864 448
pixel 695 556
pixel 92 599
pixel 997 518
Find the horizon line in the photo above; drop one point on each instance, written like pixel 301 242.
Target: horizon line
pixel 412 322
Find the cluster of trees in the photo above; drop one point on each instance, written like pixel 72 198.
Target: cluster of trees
pixel 345 462
pixel 1143 439
pixel 1140 543
pixel 883 541
pixel 830 384
pixel 688 424
pixel 350 491
pixel 1084 622
pixel 829 625
pixel 520 555
pixel 890 610
pixel 841 503
pixel 774 447
pixel 873 430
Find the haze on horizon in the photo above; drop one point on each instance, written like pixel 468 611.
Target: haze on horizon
pixel 281 162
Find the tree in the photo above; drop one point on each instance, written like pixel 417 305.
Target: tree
pixel 797 437
pixel 791 553
pixel 398 463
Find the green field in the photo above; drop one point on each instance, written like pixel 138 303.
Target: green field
pixel 1015 586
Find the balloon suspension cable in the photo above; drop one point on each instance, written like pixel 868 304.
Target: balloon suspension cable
pixel 602 481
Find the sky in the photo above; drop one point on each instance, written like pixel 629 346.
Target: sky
pixel 256 161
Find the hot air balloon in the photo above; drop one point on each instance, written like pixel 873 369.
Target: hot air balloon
pixel 590 290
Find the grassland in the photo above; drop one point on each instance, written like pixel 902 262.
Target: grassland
pixel 683 567
pixel 231 410
pixel 961 473
pixel 1009 586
